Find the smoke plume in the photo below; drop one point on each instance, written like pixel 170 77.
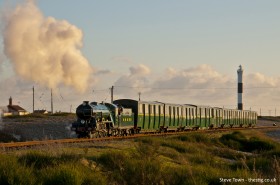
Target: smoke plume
pixel 43 49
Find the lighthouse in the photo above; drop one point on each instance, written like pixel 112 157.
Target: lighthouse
pixel 240 88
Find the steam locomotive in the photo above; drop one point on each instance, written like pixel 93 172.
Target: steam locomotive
pixel 127 116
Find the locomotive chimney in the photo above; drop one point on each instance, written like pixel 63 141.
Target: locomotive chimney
pixel 85 103
pixel 240 88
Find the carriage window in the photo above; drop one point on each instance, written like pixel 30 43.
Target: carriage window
pixel 156 109
pixel 140 108
pixel 161 110
pixel 146 109
pixel 151 107
pixel 166 111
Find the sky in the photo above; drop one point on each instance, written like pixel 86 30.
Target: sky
pixel 169 51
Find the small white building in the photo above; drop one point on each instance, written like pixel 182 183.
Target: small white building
pixel 43 111
pixel 13 109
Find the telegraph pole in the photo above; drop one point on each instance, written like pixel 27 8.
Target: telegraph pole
pixel 33 98
pixel 139 96
pixel 51 102
pixel 112 94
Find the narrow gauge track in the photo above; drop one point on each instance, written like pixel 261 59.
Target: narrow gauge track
pixel 28 144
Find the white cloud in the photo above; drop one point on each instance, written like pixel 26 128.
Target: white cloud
pixel 45 50
pixel 201 85
pixel 140 70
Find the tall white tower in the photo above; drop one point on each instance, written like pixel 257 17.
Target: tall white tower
pixel 240 88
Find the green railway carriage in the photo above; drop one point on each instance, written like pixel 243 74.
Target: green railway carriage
pixel 203 115
pixel 156 116
pixel 148 116
pixel 217 117
pixel 172 116
pixel 191 114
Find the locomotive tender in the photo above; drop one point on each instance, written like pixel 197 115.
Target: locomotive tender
pixel 127 116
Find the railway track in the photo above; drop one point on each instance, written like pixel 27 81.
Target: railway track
pixel 28 144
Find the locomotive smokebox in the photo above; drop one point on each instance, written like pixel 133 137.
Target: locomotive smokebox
pixel 84 110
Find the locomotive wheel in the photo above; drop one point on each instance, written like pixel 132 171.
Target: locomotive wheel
pixel 94 135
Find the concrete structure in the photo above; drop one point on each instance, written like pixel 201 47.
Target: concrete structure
pixel 240 88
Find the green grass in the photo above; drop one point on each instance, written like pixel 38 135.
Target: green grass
pixel 185 159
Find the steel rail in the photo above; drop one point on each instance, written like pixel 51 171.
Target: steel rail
pixel 27 144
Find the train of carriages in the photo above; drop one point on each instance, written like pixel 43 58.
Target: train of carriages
pixel 127 116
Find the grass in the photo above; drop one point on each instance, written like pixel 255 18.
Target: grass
pixel 186 159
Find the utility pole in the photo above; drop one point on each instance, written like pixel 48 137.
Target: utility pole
pixel 51 102
pixel 112 94
pixel 33 98
pixel 139 96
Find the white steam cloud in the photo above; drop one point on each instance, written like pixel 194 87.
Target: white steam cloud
pixel 43 49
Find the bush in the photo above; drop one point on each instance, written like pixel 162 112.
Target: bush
pixel 41 160
pixel 195 137
pixel 177 176
pixel 179 147
pixel 61 175
pixel 12 173
pixel 255 144
pixel 137 171
pixel 71 174
pixel 238 141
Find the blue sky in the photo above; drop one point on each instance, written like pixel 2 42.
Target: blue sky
pixel 171 39
pixel 178 33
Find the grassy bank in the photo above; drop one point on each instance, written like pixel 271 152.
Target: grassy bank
pixel 186 159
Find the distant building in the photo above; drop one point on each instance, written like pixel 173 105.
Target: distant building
pixel 41 111
pixel 13 109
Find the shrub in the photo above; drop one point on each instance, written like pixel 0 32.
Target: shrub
pixel 255 144
pixel 71 173
pixel 179 147
pixel 194 137
pixel 61 175
pixel 12 173
pixel 177 176
pixel 137 171
pixel 41 160
pixel 238 141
